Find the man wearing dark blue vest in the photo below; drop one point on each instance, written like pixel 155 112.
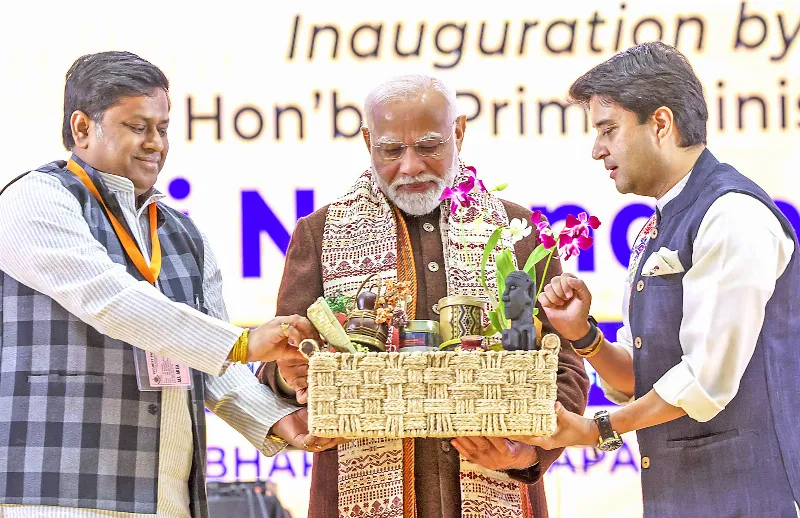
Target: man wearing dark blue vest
pixel 707 362
pixel 113 331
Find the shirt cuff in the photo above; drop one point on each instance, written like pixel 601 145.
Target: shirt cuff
pixel 271 447
pixel 268 418
pixel 613 395
pixel 680 388
pixel 249 407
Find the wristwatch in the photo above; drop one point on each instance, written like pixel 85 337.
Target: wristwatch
pixel 609 439
pixel 588 339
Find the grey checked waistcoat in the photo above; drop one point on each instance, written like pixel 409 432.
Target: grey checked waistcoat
pixel 745 462
pixel 75 430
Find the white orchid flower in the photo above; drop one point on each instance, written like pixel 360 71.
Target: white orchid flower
pixel 517 230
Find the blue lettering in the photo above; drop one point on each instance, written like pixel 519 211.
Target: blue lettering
pixel 304 202
pixel 627 461
pixel 791 214
pixel 596 395
pixel 307 463
pixel 596 457
pixel 257 217
pixel 610 328
pixel 619 229
pixel 563 461
pixel 286 466
pixel 219 461
pixel 256 461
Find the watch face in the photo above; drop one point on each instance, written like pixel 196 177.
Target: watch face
pixel 610 444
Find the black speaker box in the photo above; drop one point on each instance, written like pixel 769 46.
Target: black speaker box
pixel 244 500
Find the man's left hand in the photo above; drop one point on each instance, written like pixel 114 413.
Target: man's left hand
pixel 293 429
pixel 294 371
pixel 573 430
pixel 496 453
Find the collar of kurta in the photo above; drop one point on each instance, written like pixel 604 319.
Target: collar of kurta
pixel 109 183
pixel 702 168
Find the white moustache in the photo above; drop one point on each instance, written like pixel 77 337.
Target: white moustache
pixel 420 178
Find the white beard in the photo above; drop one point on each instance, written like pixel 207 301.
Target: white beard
pixel 420 203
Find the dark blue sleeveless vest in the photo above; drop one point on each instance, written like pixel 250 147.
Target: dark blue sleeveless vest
pixel 745 462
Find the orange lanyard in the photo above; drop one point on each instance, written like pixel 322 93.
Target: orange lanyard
pixel 149 272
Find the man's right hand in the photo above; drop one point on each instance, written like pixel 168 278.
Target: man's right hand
pixel 293 429
pixel 279 338
pixel 566 301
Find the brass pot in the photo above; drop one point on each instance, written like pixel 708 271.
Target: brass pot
pixel 361 326
pixel 362 329
pixel 460 315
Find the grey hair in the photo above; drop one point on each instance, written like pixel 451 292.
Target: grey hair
pixel 406 88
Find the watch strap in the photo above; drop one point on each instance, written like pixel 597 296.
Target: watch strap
pixel 603 421
pixel 589 338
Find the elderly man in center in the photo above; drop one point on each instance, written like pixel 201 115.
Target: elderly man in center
pixel 391 221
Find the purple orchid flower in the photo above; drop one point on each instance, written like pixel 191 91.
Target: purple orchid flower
pixel 460 196
pixel 543 229
pixel 547 240
pixel 473 173
pixel 568 248
pixel 580 226
pixel 571 243
pixel 539 222
pixel 581 241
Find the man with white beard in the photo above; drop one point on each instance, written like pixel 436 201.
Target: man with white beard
pixel 392 221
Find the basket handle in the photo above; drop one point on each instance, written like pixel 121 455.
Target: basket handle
pixel 375 274
pixel 309 347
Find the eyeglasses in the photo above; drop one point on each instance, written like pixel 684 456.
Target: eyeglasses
pixel 425 147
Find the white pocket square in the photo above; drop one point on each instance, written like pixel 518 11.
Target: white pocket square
pixel 662 262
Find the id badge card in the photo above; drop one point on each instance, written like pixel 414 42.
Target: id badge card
pixel 155 372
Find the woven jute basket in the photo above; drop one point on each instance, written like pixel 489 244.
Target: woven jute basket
pixel 434 394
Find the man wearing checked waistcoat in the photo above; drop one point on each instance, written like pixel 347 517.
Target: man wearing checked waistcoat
pixel 707 361
pixel 96 274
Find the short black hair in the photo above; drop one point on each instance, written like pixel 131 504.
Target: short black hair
pixel 644 78
pixel 95 82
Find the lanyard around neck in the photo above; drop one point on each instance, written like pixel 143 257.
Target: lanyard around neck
pixel 149 272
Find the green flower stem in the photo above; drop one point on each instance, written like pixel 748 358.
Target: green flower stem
pixel 544 273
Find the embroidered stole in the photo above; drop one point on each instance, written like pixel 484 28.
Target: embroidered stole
pixel 361 236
